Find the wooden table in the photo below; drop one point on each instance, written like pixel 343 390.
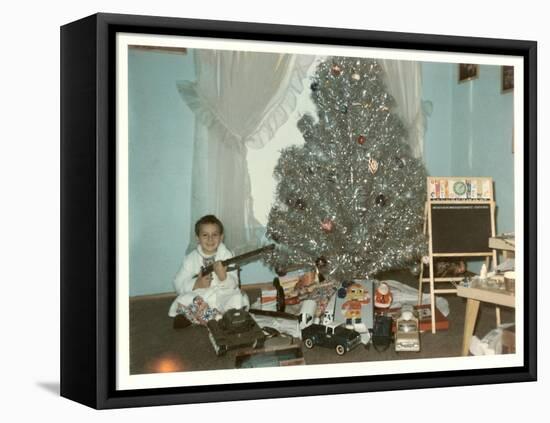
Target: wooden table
pixel 476 293
pixel 506 245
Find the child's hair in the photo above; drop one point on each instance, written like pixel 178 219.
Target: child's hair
pixel 208 219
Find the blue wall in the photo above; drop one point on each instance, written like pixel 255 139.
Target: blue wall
pixel 482 137
pixel 160 152
pixel 437 88
pixel 469 133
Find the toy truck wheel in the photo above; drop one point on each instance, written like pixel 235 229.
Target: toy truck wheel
pixel 309 343
pixel 340 350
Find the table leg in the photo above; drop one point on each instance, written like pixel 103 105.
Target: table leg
pixel 472 307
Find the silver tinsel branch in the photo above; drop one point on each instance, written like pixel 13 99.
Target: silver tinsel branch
pixel 351 199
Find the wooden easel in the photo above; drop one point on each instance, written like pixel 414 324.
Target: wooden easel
pixel 459 219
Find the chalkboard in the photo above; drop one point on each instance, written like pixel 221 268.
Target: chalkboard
pixel 461 228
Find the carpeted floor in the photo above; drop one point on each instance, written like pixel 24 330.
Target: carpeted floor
pixel 156 347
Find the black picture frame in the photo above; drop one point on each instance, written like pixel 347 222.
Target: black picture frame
pixel 467 72
pixel 507 79
pixel 88 210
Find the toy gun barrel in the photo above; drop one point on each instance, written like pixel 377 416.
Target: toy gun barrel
pixel 240 259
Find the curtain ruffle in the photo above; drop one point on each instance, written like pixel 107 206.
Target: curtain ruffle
pixel 269 125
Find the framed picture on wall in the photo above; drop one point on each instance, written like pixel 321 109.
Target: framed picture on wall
pixel 189 141
pixel 467 72
pixel 507 79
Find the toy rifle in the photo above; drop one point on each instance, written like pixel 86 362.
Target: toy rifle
pixel 240 259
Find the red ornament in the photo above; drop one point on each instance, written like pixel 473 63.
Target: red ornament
pixel 327 225
pixel 361 139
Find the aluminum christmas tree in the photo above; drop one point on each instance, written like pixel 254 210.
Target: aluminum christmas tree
pixel 351 198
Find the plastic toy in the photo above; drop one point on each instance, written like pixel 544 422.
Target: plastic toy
pixel 356 296
pixel 383 296
pixel 382 335
pixel 331 336
pixel 407 336
pixel 234 330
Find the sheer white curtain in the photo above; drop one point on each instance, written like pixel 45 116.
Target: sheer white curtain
pixel 404 82
pixel 240 99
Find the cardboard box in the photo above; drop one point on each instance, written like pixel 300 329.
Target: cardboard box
pixel 270 357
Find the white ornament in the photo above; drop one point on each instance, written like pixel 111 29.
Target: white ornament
pixel 373 165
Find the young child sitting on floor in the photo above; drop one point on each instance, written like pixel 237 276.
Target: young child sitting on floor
pixel 206 297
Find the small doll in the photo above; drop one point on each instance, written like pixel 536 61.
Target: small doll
pixel 383 296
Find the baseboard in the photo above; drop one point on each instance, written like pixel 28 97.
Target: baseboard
pixel 164 295
pixel 152 296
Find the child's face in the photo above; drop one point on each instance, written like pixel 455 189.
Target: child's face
pixel 209 237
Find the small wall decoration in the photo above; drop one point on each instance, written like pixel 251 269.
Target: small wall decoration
pixel 467 72
pixel 507 80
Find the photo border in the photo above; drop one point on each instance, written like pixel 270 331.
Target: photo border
pixel 88 210
pixel 125 380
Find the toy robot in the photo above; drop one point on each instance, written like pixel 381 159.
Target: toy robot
pixel 351 309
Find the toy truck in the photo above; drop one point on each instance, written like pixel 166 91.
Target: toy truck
pixel 407 337
pixel 331 336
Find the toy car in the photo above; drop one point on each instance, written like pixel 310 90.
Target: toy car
pixel 407 336
pixel 234 330
pixel 331 336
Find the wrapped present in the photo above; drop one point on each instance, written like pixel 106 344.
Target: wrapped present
pixel 299 284
pixel 268 299
pixel 199 312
